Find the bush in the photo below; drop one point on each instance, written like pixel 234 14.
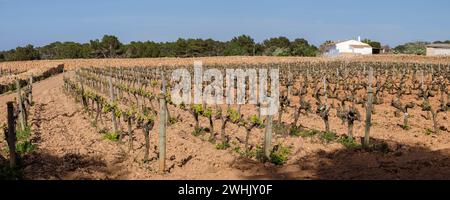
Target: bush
pixel 25 147
pixel 279 155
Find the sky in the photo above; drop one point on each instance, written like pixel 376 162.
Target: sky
pixel 392 22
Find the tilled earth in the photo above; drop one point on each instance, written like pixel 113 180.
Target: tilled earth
pixel 70 147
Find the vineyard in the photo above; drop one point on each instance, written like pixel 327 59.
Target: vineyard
pixel 338 119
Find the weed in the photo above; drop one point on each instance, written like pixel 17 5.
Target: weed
pixel 25 147
pixel 222 146
pixel 279 154
pixel 428 131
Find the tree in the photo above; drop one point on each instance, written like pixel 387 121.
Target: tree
pixel 442 42
pixel 281 42
pixel 323 47
pixel 372 43
pixel 241 45
pixel 234 49
pixel 66 50
pixel 301 47
pixel 418 48
pixel 108 47
pixel 22 53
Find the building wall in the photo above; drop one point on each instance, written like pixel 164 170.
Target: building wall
pixel 346 48
pixel 363 51
pixel 333 51
pixel 438 52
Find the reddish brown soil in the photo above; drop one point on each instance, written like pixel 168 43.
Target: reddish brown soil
pixel 68 147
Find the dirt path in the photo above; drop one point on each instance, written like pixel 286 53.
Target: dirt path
pixel 68 147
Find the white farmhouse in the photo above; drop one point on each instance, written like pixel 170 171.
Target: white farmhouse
pixel 352 47
pixel 438 50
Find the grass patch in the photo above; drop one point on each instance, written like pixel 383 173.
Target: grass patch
pixel 308 133
pixel 114 137
pixel 348 142
pixel 295 131
pixel 23 134
pixel 327 137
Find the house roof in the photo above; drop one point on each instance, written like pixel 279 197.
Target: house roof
pixel 356 44
pixel 439 46
pixel 360 45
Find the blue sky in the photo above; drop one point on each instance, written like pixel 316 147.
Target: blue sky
pixel 392 22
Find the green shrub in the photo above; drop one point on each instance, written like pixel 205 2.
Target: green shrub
pixel 279 155
pixel 25 147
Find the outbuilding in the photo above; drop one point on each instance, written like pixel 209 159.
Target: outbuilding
pixel 438 50
pixel 355 47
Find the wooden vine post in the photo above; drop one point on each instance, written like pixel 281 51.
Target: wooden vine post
pixel 30 95
pixel 21 108
pixel 268 134
pixel 368 109
pixel 10 135
pixel 113 100
pixel 162 125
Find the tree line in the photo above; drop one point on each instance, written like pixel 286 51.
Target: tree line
pixel 111 47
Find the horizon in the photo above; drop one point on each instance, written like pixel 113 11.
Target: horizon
pixel 396 22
